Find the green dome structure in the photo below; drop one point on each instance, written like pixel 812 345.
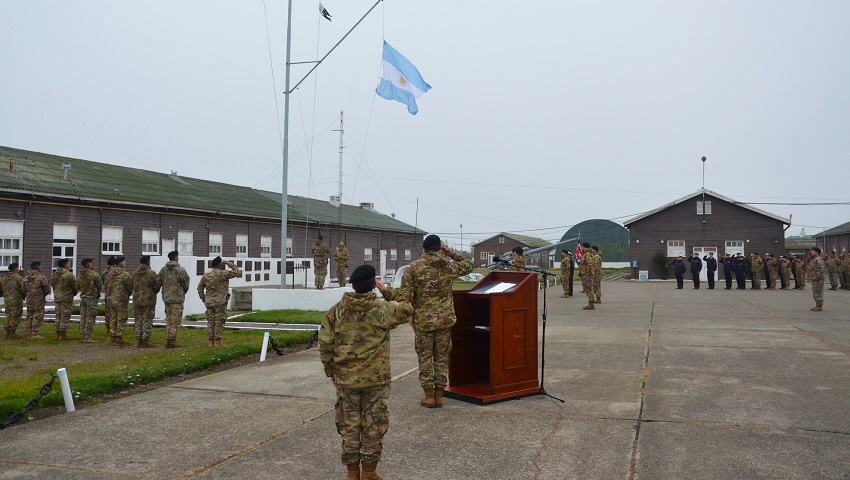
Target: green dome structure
pixel 611 238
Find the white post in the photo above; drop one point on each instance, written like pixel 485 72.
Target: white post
pixel 265 347
pixel 66 390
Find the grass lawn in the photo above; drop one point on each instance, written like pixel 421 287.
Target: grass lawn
pixel 101 368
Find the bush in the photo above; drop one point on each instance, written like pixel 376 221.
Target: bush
pixel 660 263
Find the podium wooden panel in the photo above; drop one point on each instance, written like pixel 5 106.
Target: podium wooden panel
pixel 494 342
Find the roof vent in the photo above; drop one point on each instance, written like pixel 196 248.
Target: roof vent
pixel 65 168
pixel 335 200
pixel 368 206
pixel 116 191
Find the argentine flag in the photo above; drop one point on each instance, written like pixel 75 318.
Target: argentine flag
pixel 400 80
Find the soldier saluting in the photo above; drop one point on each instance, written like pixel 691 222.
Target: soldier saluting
pixel 213 292
pixel 13 291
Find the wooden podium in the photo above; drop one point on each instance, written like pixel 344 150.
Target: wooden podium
pixel 494 342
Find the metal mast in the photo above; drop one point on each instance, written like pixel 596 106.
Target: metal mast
pixel 339 193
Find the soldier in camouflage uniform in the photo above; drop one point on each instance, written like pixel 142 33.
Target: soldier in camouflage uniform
pixel 800 275
pixel 427 285
pixel 145 287
pixel 518 260
pixel 585 271
pixel 833 264
pixel 12 289
pixel 597 274
pixel 213 292
pixel 354 345
pixel 119 287
pixel 566 272
pixel 175 283
pixel 90 285
pixel 36 288
pixel 772 270
pixel 64 285
pixel 108 313
pixel 341 259
pixel 815 275
pixel 756 269
pixel 321 252
pixel 785 272
pixel 846 267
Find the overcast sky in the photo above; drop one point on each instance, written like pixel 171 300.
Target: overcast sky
pixel 542 114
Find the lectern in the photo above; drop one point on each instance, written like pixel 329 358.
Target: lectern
pixel 494 342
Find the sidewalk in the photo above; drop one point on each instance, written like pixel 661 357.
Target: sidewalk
pixel 659 383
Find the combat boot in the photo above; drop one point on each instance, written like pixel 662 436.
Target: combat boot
pixel 120 341
pixel 218 342
pixel 353 471
pixel 171 343
pixel 598 300
pixel 148 344
pixel 816 308
pixel 210 342
pixel 141 344
pixel 565 296
pixel 60 335
pixel 87 339
pixel 369 472
pixel 427 402
pixel 589 306
pixel 438 397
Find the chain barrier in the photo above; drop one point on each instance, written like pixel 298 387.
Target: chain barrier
pixel 274 346
pixel 310 343
pixel 31 405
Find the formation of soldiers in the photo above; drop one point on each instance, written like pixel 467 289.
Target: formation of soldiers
pixel 321 253
pixel 117 287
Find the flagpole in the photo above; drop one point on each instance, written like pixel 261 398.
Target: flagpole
pixel 284 194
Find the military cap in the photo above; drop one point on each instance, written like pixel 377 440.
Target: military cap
pixel 110 260
pixel 13 266
pixel 362 273
pixel 216 261
pixel 431 242
pixel 62 262
pixel 319 237
pixel 585 245
pixel 118 259
pixel 172 254
pixel 518 250
pixel 86 261
pixel 35 264
pixel 145 259
pixel 817 249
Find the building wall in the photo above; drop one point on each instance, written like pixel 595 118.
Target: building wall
pixel 727 222
pixel 492 245
pixel 840 243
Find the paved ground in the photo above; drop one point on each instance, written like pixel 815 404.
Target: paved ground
pixel 659 383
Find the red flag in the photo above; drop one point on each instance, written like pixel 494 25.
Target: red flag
pixel 578 253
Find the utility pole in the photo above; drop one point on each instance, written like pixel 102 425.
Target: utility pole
pixel 339 194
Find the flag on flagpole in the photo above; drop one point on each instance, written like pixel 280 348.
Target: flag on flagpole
pixel 579 252
pixel 400 80
pixel 324 12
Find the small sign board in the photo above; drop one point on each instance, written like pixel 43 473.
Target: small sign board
pixel 643 275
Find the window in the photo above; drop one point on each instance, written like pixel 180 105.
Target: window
pixel 111 240
pixel 407 254
pixel 266 246
pixel 704 208
pixel 367 254
pixel 215 244
pixel 11 242
pixel 150 241
pixel 64 244
pixel 393 254
pixel 734 247
pixel 484 256
pixel 675 248
pixel 289 247
pixel 501 239
pixel 241 245
pixel 185 242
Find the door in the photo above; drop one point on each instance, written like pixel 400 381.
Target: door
pixel 383 265
pixel 702 252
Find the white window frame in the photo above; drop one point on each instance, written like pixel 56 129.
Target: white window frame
pixel 732 248
pixel 241 245
pixel 111 240
pixel 367 254
pixel 483 256
pixel 11 242
pixel 706 207
pixel 265 246
pixel 64 237
pixel 501 239
pixel 676 248
pixel 150 241
pixel 289 247
pixel 407 254
pixel 216 244
pixel 393 254
pixel 186 243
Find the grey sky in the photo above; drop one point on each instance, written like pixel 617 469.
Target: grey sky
pixel 542 114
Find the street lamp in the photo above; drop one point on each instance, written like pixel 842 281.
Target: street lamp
pixel 461 238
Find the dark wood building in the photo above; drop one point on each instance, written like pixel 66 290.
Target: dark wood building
pixel 55 207
pixel 703 222
pixel 836 238
pixel 484 251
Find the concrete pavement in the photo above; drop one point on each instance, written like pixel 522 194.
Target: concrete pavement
pixel 659 383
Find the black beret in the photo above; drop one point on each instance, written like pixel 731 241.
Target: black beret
pixel 319 237
pixel 585 245
pixel 145 259
pixel 13 266
pixel 361 274
pixel 216 261
pixel 173 254
pixel 432 242
pixel 86 261
pixel 118 260
pixel 62 262
pixel 110 260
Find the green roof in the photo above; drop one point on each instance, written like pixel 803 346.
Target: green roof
pixel 41 173
pixel 532 242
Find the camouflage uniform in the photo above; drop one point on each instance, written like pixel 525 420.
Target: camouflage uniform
pixel 801 272
pixel 64 285
pixel 90 285
pixel 108 313
pixel 585 271
pixel 175 283
pixel 145 287
pixel 833 264
pixel 13 292
pixel 756 267
pixel 119 287
pixel 36 287
pixel 597 276
pixel 814 273
pixel 341 259
pixel 517 263
pixel 566 262
pixel 321 252
pixel 427 285
pixel 785 271
pixel 354 345
pixel 213 292
pixel 772 271
pixel 846 267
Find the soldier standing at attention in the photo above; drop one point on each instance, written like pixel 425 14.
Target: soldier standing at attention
pixel 585 272
pixel 427 285
pixel 833 264
pixel 119 287
pixel 175 283
pixel 696 267
pixel 341 259
pixel 108 314
pixel 566 272
pixel 321 252
pixel 727 270
pixel 846 266
pixel 145 287
pixel 12 289
pixel 800 276
pixel 756 268
pixel 64 285
pixel 36 288
pixel 679 270
pixel 814 273
pixel 213 292
pixel 517 260
pixel 90 285
pixel 772 269
pixel 740 266
pixel 711 267
pixel 354 345
pixel 597 274
pixel 784 272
